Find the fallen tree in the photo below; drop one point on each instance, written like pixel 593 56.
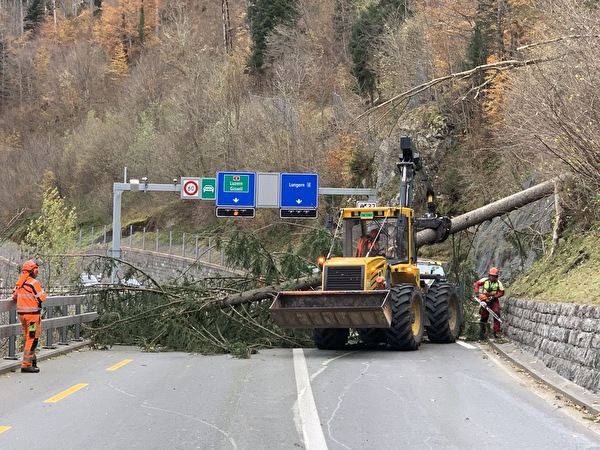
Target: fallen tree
pixel 269 292
pixel 495 209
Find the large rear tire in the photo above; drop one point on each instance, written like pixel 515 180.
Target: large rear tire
pixel 407 329
pixel 330 338
pixel 372 336
pixel 444 313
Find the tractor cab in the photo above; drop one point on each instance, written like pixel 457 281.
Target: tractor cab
pixel 379 231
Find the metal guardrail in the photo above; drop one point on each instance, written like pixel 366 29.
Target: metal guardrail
pixel 62 322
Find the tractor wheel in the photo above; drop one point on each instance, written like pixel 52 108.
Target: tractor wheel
pixel 330 338
pixel 406 331
pixel 444 313
pixel 372 336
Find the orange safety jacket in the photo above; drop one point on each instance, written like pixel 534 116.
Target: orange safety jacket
pixel 364 246
pixel 29 296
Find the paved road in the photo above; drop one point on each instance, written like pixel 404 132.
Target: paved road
pixel 440 397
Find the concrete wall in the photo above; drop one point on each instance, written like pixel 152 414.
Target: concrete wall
pixel 566 337
pixel 165 268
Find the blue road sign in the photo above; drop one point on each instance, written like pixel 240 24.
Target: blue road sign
pixel 236 190
pixel 299 191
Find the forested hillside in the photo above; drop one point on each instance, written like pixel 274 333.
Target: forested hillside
pixel 187 88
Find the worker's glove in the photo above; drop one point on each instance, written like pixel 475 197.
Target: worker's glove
pixel 483 304
pixel 491 299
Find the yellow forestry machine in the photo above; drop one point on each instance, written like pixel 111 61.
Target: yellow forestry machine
pixel 378 289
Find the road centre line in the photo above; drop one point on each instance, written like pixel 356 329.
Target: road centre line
pixel 307 410
pixel 4 428
pixel 65 393
pixel 119 364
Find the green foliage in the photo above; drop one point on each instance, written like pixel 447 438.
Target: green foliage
pixel 364 39
pixel 245 251
pixel 53 234
pixel 481 45
pixel 35 15
pixel 187 319
pixel 317 243
pixel 141 25
pixel 263 17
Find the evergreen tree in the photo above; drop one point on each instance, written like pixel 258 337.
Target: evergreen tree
pixel 363 41
pixel 482 41
pixel 141 25
pixel 263 17
pixel 34 16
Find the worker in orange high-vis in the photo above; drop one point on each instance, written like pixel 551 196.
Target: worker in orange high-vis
pixel 29 295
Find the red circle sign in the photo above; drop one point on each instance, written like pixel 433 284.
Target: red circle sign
pixel 190 188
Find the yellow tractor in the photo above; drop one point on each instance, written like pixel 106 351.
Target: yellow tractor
pixel 377 287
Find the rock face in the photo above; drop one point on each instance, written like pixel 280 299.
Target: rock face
pixel 566 337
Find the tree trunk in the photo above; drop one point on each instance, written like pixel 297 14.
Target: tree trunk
pixel 269 292
pixel 495 209
pixel 559 220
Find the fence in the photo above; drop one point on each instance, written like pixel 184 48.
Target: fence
pixel 186 245
pixel 191 247
pixel 62 324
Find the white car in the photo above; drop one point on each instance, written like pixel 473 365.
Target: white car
pixel 429 268
pixel 132 282
pixel 88 280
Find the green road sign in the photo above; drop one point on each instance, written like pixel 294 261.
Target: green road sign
pixel 236 183
pixel 208 189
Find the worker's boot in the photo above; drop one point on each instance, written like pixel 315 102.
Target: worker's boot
pixel 482 331
pixel 34 363
pixel 30 369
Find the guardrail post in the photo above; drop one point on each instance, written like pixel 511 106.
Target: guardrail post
pixel 64 340
pixel 12 341
pixel 49 340
pixel 77 337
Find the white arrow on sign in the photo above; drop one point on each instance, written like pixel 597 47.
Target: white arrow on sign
pixel 299 200
pixel 236 200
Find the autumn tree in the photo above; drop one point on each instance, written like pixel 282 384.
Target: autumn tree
pixel 550 115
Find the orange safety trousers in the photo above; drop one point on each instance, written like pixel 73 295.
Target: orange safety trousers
pixel 31 338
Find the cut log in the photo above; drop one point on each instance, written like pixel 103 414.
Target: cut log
pixel 491 210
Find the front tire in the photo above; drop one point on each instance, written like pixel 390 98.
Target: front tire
pixel 407 329
pixel 330 338
pixel 444 313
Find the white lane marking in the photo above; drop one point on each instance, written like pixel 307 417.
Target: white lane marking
pixel 314 439
pixel 465 345
pixel 324 365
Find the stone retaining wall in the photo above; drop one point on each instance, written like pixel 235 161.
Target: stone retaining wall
pixel 566 337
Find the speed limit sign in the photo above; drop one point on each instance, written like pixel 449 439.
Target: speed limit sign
pixel 190 188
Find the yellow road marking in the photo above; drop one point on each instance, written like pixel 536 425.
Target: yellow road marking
pixel 3 429
pixel 65 393
pixel 120 364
